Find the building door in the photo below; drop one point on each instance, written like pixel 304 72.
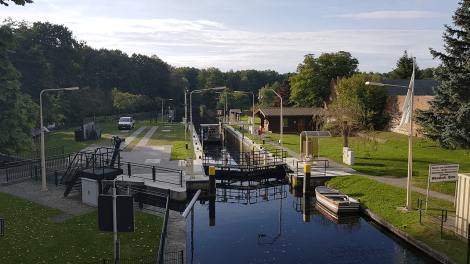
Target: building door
pixel 301 124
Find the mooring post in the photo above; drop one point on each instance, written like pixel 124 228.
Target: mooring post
pixel 307 171
pixel 211 180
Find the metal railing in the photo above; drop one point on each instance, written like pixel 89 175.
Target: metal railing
pixel 244 160
pixel 31 167
pixel 6 158
pixel 169 257
pixel 442 218
pixel 161 248
pixel 154 173
pixel 315 167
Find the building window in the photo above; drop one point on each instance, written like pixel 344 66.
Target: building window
pixel 285 121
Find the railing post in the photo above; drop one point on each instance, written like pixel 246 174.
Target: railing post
pixel 129 169
pixel 6 171
pixel 56 178
pixel 153 173
pixel 181 178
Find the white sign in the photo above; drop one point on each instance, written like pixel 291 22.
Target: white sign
pixel 443 172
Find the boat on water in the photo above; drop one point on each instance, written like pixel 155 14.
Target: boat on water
pixel 341 218
pixel 336 201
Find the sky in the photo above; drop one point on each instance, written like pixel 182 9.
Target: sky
pixel 256 34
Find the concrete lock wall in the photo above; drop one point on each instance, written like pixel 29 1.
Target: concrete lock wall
pixel 462 207
pixel 235 139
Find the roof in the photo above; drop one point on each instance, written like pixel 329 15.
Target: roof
pixel 422 87
pixel 288 111
pixel 316 134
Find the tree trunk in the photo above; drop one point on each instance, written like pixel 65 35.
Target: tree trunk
pixel 345 134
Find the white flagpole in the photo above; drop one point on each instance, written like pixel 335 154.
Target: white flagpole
pixel 410 143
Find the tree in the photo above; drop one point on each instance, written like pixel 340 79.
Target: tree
pixel 284 92
pixel 405 68
pixel 18 2
pixel 310 86
pixel 18 113
pixel 266 98
pixel 446 122
pixel 358 107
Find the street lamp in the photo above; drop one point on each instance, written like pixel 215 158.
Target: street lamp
pixel 43 157
pixel 407 110
pixel 163 101
pixel 192 125
pixel 281 110
pixel 225 109
pixel 185 117
pixel 253 120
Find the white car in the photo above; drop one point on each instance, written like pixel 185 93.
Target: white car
pixel 126 122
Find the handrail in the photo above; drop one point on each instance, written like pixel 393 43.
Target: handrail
pixel 191 204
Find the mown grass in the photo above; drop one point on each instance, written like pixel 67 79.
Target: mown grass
pixel 30 237
pixel 257 140
pixel 391 158
pixel 383 199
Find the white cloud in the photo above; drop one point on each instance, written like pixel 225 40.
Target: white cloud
pixel 204 43
pixel 395 15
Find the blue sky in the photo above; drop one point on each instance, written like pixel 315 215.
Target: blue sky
pixel 256 34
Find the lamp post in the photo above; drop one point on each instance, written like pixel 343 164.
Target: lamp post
pixel 253 120
pixel 185 117
pixel 281 112
pixel 407 110
pixel 225 108
pixel 192 125
pixel 163 101
pixel 43 157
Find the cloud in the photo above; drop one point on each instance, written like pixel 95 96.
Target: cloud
pixel 395 15
pixel 204 43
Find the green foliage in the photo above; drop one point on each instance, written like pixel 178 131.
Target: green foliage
pixel 361 105
pixel 310 86
pixel 404 68
pixel 18 113
pixel 446 122
pixel 31 237
pixel 126 101
pixel 18 2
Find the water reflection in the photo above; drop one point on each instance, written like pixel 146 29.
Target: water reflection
pixel 263 222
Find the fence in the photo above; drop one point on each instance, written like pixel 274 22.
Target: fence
pixel 441 218
pixel 243 160
pixel 154 173
pixel 30 154
pixel 32 167
pixel 170 258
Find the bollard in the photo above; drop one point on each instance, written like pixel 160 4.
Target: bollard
pixel 153 174
pixel 307 171
pixel 129 169
pixel 212 180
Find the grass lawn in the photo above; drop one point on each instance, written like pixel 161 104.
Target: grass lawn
pixel 30 237
pixel 384 199
pixel 269 147
pixel 257 120
pixel 391 158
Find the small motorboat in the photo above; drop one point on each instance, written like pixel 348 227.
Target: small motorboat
pixel 336 201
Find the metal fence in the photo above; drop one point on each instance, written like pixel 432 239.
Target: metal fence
pixel 243 160
pixel 30 154
pixel 154 173
pixel 167 258
pixel 32 167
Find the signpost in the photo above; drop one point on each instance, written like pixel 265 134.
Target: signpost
pixel 442 173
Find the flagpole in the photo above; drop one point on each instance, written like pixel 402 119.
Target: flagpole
pixel 410 142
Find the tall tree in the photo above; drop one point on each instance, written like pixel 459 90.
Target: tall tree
pixel 446 122
pixel 405 68
pixel 311 86
pixel 284 92
pixel 18 2
pixel 18 113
